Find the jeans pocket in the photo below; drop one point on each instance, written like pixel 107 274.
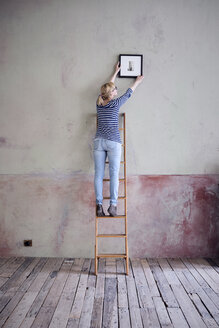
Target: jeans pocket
pixel 96 144
pixel 111 145
pixel 114 148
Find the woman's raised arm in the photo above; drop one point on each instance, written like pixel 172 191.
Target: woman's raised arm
pixel 117 69
pixel 138 80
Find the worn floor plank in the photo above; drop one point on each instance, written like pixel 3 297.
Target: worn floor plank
pixel 96 318
pixel 64 293
pixel 10 300
pixel 163 285
pixel 134 308
pixel 75 314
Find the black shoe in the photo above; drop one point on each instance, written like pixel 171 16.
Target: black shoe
pixel 112 210
pixel 99 210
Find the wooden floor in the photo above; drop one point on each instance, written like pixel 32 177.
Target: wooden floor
pixel 64 292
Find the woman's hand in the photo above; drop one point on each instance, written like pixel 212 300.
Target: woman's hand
pixel 139 79
pixel 117 69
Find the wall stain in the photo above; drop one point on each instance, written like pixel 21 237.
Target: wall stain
pixel 150 29
pixel 60 235
pixel 68 72
pixel 7 237
pixel 4 143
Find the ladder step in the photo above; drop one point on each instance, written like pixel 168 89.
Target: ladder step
pixel 122 179
pixel 120 197
pixel 114 235
pixel 122 162
pixel 111 217
pixel 112 255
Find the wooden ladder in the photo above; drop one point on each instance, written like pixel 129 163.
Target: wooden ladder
pixel 123 217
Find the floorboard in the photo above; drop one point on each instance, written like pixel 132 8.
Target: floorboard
pixel 64 293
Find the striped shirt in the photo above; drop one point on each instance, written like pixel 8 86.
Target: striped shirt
pixel 108 118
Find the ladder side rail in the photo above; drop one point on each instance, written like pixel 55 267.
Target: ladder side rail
pixel 125 200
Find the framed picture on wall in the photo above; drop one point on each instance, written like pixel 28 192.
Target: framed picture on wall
pixel 131 65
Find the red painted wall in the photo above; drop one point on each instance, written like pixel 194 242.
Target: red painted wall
pixel 177 215
pixel 168 216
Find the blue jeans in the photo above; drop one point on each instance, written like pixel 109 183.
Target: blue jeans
pixel 102 149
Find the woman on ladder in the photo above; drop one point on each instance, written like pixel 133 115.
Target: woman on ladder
pixel 107 141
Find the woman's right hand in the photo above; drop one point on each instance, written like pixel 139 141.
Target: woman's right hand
pixel 138 80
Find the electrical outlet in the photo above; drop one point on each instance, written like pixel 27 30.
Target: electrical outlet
pixel 27 243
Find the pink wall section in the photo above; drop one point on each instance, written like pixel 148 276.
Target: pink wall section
pixel 168 216
pixel 177 215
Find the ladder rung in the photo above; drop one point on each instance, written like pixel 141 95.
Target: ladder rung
pixel 122 179
pixel 122 162
pixel 120 197
pixel 111 217
pixel 111 255
pixel 121 129
pixel 112 235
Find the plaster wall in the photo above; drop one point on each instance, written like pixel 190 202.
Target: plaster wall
pixel 54 56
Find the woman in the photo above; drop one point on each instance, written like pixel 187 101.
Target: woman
pixel 107 141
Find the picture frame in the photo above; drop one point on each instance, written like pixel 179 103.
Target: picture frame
pixel 131 65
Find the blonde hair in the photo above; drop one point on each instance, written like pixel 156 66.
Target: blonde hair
pixel 106 90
